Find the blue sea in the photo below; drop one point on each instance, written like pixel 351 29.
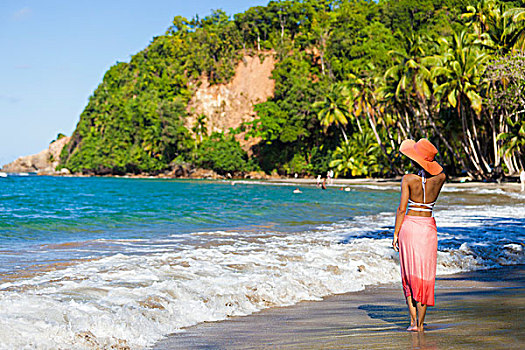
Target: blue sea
pixel 89 263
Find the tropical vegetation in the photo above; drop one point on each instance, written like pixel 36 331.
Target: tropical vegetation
pixel 353 79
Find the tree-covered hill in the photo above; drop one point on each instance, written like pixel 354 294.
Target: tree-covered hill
pixel 352 80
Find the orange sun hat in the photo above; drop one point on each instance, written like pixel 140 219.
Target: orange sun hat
pixel 422 152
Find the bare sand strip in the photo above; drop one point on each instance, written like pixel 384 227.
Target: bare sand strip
pixel 476 310
pixel 509 186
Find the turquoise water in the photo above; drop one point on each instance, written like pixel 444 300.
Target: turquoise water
pixel 39 211
pixel 98 262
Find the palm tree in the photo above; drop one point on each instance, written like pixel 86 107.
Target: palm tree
pixel 359 156
pixel 409 81
pixel 499 30
pixel 460 73
pixel 386 95
pixel 333 110
pixel 407 89
pixel 515 31
pixel 513 142
pixel 478 15
pixel 348 100
pixel 505 105
pixel 343 159
pixel 410 71
pixel 199 127
pixel 365 102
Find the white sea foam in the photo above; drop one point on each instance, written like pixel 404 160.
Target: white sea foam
pixel 137 299
pixel 376 187
pixel 155 289
pixel 266 183
pixel 450 188
pixel 484 191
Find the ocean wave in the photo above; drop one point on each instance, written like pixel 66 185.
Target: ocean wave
pixel 448 188
pixel 377 187
pixel 136 299
pixel 484 191
pixel 157 286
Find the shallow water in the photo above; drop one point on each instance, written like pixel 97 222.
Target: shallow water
pixel 127 261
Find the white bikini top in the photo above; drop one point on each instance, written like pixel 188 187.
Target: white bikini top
pixel 426 206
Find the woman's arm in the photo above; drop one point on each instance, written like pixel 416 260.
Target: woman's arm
pixel 401 210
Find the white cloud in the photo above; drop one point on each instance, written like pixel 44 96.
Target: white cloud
pixel 22 13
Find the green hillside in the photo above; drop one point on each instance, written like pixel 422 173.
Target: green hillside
pixel 352 80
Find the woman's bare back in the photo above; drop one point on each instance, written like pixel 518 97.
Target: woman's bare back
pixel 433 187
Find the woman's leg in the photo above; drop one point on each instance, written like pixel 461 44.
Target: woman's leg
pixel 421 312
pixel 413 314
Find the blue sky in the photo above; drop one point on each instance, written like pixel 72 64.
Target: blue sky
pixel 55 53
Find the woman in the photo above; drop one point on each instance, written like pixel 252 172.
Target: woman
pixel 415 233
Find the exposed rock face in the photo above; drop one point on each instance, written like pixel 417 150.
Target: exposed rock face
pixel 44 162
pixel 224 105
pixel 229 105
pixel 199 173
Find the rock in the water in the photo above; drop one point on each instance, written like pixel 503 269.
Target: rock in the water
pixel 199 173
pixel 43 163
pixel 181 170
pixel 256 175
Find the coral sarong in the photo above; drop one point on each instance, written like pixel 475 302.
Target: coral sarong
pixel 418 257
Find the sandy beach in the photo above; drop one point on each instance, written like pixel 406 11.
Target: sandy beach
pixel 474 310
pixel 513 186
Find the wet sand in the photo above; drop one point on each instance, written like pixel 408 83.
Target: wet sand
pixel 476 310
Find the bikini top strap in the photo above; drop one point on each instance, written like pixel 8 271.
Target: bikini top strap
pixel 423 181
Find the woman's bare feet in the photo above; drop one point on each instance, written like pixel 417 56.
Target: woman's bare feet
pixel 412 329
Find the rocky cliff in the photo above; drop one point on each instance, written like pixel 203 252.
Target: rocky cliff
pixel 229 105
pixel 224 106
pixel 43 163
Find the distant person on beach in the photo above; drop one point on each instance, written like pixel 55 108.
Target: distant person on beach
pixel 330 176
pixel 323 185
pixel 522 180
pixel 415 233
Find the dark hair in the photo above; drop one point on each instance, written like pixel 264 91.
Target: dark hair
pixel 419 168
pixel 416 165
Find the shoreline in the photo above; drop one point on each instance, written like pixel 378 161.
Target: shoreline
pixel 513 185
pixel 479 309
pixel 396 182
